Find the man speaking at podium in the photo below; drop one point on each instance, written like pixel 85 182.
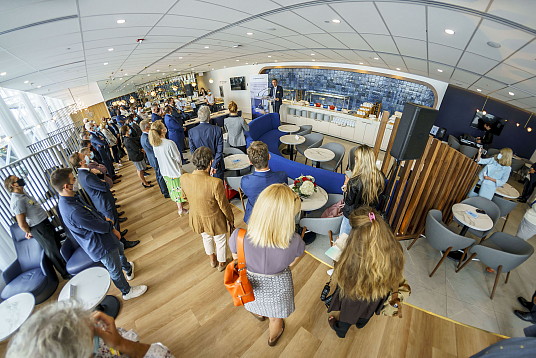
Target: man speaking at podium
pixel 276 93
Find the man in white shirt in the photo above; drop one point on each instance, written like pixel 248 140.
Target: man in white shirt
pixel 209 99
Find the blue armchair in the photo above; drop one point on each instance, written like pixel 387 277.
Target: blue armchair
pixel 76 258
pixel 264 128
pixel 31 272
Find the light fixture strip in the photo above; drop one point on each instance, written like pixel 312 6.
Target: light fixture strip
pixel 528 120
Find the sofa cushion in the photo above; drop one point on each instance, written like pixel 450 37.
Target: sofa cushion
pixel 331 182
pixel 80 261
pixel 272 140
pixel 32 281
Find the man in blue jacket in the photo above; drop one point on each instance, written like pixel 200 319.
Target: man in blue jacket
pixel 149 152
pixel 253 184
pixel 99 193
pixel 95 234
pixel 210 136
pixel 99 142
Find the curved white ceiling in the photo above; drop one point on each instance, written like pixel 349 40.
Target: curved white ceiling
pixel 64 43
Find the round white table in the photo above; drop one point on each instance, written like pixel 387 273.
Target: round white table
pixel 315 201
pixel 236 162
pixel 289 128
pixel 291 140
pixel 14 312
pixel 467 215
pixel 89 288
pixel 319 155
pixel 507 191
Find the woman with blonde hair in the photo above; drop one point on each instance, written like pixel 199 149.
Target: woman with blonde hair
pixel 364 187
pixel 235 126
pixel 370 266
pixel 169 159
pixel 495 173
pixel 270 247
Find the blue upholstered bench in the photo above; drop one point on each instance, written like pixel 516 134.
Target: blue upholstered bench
pixel 264 128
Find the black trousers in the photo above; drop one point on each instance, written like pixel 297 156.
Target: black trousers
pixel 528 187
pixel 341 328
pixel 50 241
pixel 115 153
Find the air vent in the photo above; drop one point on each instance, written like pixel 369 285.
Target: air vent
pixel 39 23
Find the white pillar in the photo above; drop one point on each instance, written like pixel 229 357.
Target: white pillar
pixel 12 130
pixel 34 117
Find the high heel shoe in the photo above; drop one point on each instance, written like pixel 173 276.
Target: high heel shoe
pixel 183 212
pixel 147 186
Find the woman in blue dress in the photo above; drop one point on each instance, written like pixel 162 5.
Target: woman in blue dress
pixel 495 173
pixel 175 130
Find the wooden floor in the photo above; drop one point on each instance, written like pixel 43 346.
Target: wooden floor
pixel 188 309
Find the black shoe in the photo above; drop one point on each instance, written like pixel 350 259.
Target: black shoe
pixel 67 277
pixel 528 305
pixel 185 161
pixel 525 316
pixel 129 244
pixel 117 206
pixel 147 186
pixel 115 177
pixel 521 200
pixel 124 232
pixel 166 196
pixel 122 220
pixel 121 213
pixel 146 174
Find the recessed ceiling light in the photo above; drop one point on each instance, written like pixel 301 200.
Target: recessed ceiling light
pixel 212 69
pixel 174 69
pixel 111 49
pixel 360 63
pixel 237 60
pixel 439 70
pixel 493 44
pixel 148 75
pixel 157 70
pixel 237 45
pixel 529 129
pixel 269 56
pixel 314 60
pixel 398 68
pixel 275 60
pixel 105 63
pixel 163 73
pixel 121 78
pixel 3 73
pixel 207 47
pixel 180 58
pixel 247 63
pixel 511 93
pixel 479 90
pixel 121 21
pixel 126 74
pixel 336 21
pixel 249 33
pixel 26 81
pixel 39 86
pixel 449 31
pixel 312 54
pixel 376 58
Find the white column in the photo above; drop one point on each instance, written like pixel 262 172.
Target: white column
pixel 34 117
pixel 12 130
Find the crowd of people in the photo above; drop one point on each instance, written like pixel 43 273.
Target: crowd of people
pixel 371 264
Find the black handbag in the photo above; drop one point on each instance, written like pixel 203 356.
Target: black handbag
pixel 325 296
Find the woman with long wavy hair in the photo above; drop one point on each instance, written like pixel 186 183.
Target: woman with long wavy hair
pixel 370 266
pixel 364 187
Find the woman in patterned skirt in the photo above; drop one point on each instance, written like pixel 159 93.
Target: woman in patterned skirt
pixel 270 247
pixel 169 159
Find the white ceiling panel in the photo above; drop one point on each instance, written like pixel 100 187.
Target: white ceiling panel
pixel 353 41
pixel 35 34
pixel 130 34
pixel 303 40
pixel 294 22
pixel 404 20
pixel 461 76
pixel 411 47
pixel 508 74
pixel 250 6
pixel 444 54
pixel 487 85
pixel 321 16
pixel 122 7
pixel 212 11
pixel 176 31
pixel 524 59
pixel 527 85
pixel 326 40
pixel 520 11
pixel 393 60
pixel 443 75
pixel 416 64
pixel 268 27
pixel 109 21
pixel 381 43
pixel 34 11
pixel 362 16
pixel 480 5
pixel 476 63
pixel 192 22
pixel 463 25
pixel 509 39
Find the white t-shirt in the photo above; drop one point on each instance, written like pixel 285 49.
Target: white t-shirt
pixel 530 215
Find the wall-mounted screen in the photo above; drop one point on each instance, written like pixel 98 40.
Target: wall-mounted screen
pixel 488 122
pixel 238 83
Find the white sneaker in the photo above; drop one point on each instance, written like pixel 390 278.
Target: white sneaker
pixel 131 276
pixel 135 291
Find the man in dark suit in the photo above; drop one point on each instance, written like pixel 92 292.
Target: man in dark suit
pixel 276 93
pixel 528 185
pixel 95 234
pixel 99 193
pixel 149 152
pixel 98 141
pixel 156 114
pixel 210 136
pixel 253 184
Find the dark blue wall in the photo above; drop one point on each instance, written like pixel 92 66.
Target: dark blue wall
pixel 458 109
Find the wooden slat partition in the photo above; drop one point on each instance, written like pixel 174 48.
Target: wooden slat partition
pixel 442 177
pixel 387 158
pixel 381 132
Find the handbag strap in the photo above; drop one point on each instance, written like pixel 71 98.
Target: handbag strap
pixel 240 249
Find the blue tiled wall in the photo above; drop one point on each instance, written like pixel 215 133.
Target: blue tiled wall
pixel 361 87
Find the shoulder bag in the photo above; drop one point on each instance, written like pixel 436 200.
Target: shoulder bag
pixel 235 277
pixel 325 296
pixel 392 307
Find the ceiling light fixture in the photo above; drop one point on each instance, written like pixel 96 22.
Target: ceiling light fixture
pixel 336 21
pixel 157 70
pixel 174 69
pixel 111 49
pixel 511 93
pixel 3 73
pixel 269 56
pixel 312 54
pixel 439 70
pixel 249 33
pixel 180 58
pixel 529 129
pixel 360 63
pixel 120 78
pixel 398 68
pixel 26 81
pixel 376 58
pixel 314 60
pixel 105 63
pixel 207 47
pixel 121 21
pixel 211 81
pixel 449 31
pixel 39 86
pixel 479 90
pixel 237 60
pixel 493 44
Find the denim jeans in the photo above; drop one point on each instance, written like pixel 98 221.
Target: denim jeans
pixel 345 226
pixel 114 261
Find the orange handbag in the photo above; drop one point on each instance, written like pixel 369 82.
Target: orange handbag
pixel 235 277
